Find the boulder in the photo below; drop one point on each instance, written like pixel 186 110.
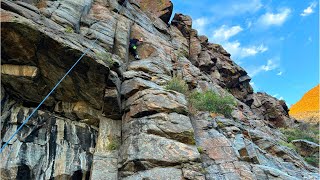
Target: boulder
pixel 306 148
pixel 172 126
pixel 151 101
pixel 157 173
pixel 270 109
pixel 160 8
pixel 145 151
pixel 134 85
pixel 183 23
pixel 195 47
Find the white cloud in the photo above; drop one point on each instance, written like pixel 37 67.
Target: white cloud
pixel 276 96
pixel 249 24
pixel 279 73
pixel 272 64
pixel 236 8
pixel 222 36
pixel 309 10
pixel 224 33
pixel 239 52
pixel 274 19
pixel 200 24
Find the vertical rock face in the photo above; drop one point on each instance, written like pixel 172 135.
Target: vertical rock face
pixel 47 147
pixel 214 61
pixel 112 116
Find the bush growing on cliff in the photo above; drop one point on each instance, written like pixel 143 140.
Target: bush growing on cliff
pixel 313 160
pixel 106 57
pixel 210 101
pixel 114 144
pixel 68 29
pixel 304 131
pixel 177 84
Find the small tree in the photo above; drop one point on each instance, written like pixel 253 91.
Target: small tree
pixel 210 101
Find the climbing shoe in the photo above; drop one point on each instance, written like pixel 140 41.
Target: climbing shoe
pixel 137 57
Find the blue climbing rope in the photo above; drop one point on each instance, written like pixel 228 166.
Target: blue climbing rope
pixel 28 118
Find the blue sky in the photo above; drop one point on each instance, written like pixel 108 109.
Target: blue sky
pixel 276 42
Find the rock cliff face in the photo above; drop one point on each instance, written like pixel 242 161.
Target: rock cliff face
pixel 112 118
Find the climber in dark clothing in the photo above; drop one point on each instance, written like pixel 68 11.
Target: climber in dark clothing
pixel 133 47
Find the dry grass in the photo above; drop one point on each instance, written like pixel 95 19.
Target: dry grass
pixel 177 84
pixel 41 4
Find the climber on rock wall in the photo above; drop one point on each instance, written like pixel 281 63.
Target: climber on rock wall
pixel 133 47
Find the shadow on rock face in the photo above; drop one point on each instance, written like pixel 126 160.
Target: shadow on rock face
pixel 76 175
pixel 21 172
pixel 51 56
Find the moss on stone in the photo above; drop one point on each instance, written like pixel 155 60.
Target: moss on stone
pixel 106 57
pixel 289 145
pixel 69 29
pixel 220 125
pixel 200 149
pixel 185 137
pixel 114 144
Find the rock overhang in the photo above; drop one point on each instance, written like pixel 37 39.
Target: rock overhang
pixel 52 52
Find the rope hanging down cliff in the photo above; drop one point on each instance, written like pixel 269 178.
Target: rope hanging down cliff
pixel 36 109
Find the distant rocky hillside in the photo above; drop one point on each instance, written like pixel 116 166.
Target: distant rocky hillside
pixel 307 108
pixel 113 117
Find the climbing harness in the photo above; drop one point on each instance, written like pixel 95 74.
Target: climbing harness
pixel 36 109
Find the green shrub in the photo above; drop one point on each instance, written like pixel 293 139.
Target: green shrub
pixel 177 84
pixel 182 53
pixel 113 144
pixel 210 101
pixel 200 149
pixel 220 125
pixel 69 29
pixel 310 133
pixel 289 145
pixel 305 131
pixel 314 161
